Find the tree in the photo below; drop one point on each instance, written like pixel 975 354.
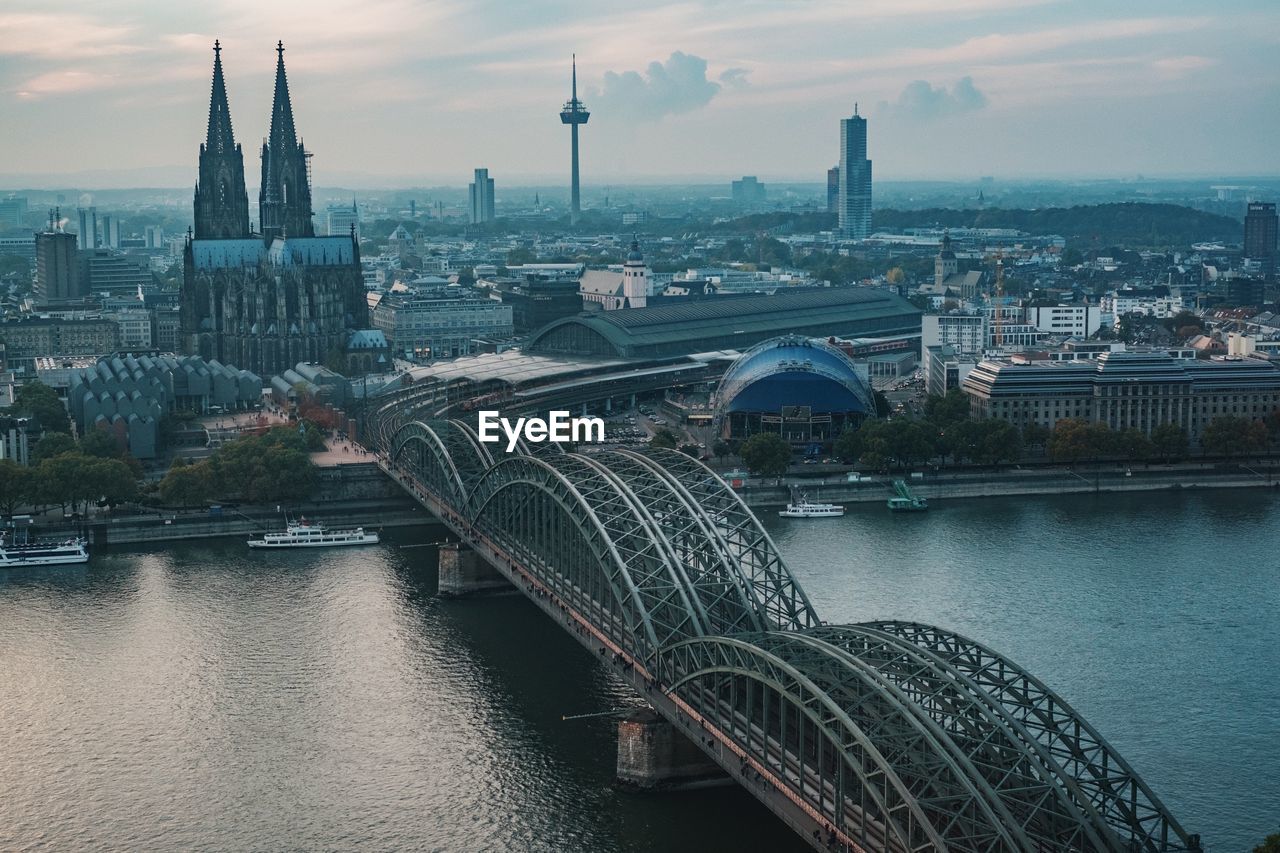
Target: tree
pixel 1230 435
pixel 1270 845
pixel 42 403
pixel 848 445
pixel 999 442
pixel 1035 435
pixel 948 408
pixel 99 443
pixel 110 480
pixel 52 444
pixel 1074 439
pixel 721 448
pixel 882 404
pixel 664 438
pixel 766 454
pixel 1169 441
pixel 1133 444
pixel 1071 257
pixel 16 485
pixel 186 485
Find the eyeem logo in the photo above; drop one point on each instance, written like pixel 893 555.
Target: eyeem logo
pixel 559 427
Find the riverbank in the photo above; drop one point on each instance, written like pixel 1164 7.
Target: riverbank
pixel 1017 481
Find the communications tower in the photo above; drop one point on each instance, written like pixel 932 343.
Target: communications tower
pixel 573 114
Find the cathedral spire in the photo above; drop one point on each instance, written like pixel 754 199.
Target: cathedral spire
pixel 220 137
pixel 282 131
pixel 221 204
pixel 284 202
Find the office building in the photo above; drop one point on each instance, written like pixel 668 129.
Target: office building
pixel 14 443
pixel 1260 235
pixel 1077 321
pixel 439 324
pixel 87 222
pixel 966 334
pixel 58 274
pixel 747 190
pixel 833 189
pixel 23 247
pixel 855 179
pixel 945 369
pixel 538 300
pixel 13 212
pixel 154 237
pixel 110 231
pixel 1125 390
pixel 481 195
pixel 341 220
pixel 105 271
pixel 37 336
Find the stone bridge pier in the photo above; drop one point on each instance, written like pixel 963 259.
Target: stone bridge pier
pixel 463 572
pixel 654 755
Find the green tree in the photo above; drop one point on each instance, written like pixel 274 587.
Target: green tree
pixel 52 444
pixel 1230 435
pixel 1074 439
pixel 721 448
pixel 110 481
pixel 1035 435
pixel 1071 257
pixel 99 443
pixel 42 402
pixel 1169 441
pixel 999 441
pixel 949 408
pixel 186 485
pixel 882 404
pixel 1133 444
pixel 848 445
pixel 16 485
pixel 1270 845
pixel 664 438
pixel 766 454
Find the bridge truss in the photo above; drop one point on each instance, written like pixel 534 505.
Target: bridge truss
pixel 897 736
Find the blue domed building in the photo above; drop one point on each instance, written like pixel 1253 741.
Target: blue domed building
pixel 803 389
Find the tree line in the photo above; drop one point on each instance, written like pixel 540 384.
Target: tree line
pixel 273 467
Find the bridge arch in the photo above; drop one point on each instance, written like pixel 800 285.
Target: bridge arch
pixel 419 447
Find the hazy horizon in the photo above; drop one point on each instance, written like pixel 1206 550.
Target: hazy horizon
pixel 393 93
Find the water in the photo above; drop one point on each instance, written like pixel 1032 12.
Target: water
pixel 207 698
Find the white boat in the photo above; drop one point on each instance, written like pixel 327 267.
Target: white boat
pixel 17 555
pixel 311 534
pixel 804 508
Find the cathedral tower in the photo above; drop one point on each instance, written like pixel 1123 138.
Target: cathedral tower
pixel 221 203
pixel 284 204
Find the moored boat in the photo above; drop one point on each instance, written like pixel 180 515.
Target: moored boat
pixel 311 534
pixel 804 508
pixel 23 554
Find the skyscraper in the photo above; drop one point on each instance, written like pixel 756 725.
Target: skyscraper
pixel 481 191
pixel 854 205
pixel 1260 234
pixel 573 114
pixel 221 203
pixel 284 203
pixel 833 189
pixel 57 265
pixel 88 227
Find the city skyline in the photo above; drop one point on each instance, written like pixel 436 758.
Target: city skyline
pixel 954 90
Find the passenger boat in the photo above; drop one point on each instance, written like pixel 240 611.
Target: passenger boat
pixel 310 534
pixel 22 554
pixel 804 508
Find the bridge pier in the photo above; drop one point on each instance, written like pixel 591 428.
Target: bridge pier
pixel 463 572
pixel 653 755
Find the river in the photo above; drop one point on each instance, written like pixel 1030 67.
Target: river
pixel 203 697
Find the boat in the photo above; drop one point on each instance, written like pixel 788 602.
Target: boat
pixel 311 534
pixel 804 508
pixel 42 552
pixel 904 500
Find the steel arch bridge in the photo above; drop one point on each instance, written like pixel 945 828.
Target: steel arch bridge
pixel 885 735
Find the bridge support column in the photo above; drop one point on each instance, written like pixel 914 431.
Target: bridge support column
pixel 463 572
pixel 653 755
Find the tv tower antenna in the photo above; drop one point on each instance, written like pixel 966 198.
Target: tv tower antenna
pixel 573 113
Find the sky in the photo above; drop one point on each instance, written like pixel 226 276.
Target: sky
pixel 420 92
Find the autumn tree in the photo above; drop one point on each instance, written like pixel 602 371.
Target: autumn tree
pixel 766 454
pixel 1230 435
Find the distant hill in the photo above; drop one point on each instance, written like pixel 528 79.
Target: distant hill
pixel 1127 224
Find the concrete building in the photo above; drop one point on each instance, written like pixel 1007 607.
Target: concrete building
pixel 480 193
pixel 1077 321
pixel 154 237
pixel 23 247
pixel 58 272
pixel 945 369
pixel 1125 390
pixel 833 189
pixel 340 219
pixel 110 231
pixel 747 190
pixel 137 328
pixel 87 221
pixel 1155 302
pixel 855 179
pixel 966 333
pixel 14 442
pixel 1261 231
pixel 107 271
pixel 439 325
pixel 13 212
pixel 536 301
pixel 36 336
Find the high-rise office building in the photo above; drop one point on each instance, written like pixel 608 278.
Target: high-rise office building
pixel 110 231
pixel 1260 234
pixel 342 219
pixel 57 265
pixel 481 193
pixel 154 237
pixel 747 190
pixel 88 227
pixel 854 205
pixel 13 212
pixel 833 189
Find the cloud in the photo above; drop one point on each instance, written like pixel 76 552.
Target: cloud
pixel 67 82
pixel 920 100
pixel 734 78
pixel 678 85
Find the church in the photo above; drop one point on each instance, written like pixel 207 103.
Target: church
pixel 264 301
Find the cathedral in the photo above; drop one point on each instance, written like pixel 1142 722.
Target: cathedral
pixel 265 301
